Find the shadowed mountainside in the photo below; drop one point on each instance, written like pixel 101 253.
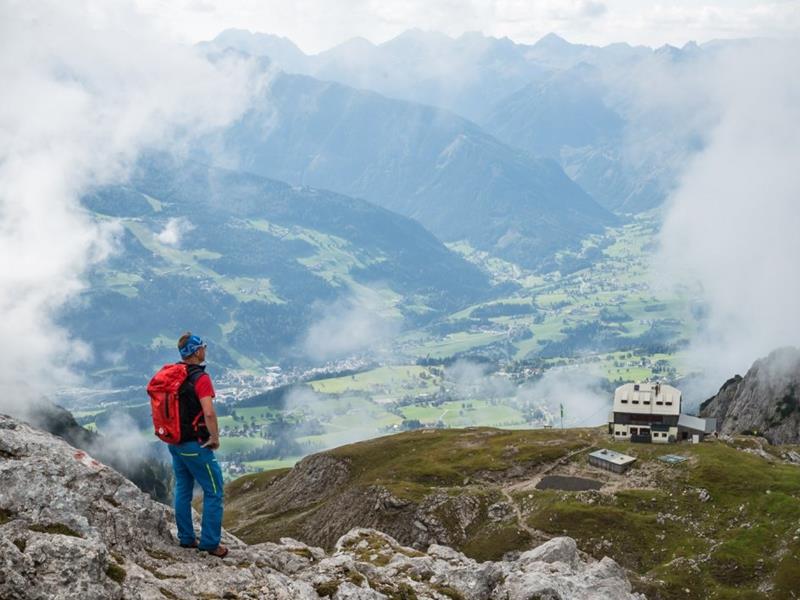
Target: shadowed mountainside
pixel 422 162
pixel 255 263
pixel 766 401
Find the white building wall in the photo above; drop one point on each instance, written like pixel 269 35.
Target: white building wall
pixel 647 399
pixel 623 432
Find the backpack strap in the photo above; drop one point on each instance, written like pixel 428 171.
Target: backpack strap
pixel 193 373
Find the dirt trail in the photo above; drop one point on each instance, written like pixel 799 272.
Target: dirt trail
pixel 537 536
pixel 531 482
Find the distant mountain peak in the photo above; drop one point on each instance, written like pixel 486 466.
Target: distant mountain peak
pixel 353 45
pixel 239 34
pixel 416 34
pixel 283 51
pixel 358 41
pixel 552 41
pixel 668 49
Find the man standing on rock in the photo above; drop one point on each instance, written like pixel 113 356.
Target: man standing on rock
pixel 193 458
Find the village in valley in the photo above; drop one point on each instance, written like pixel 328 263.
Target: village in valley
pixel 604 320
pixel 596 314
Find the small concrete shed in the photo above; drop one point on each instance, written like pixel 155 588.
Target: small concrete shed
pixel 611 460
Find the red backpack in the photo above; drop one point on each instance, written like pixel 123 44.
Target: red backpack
pixel 164 403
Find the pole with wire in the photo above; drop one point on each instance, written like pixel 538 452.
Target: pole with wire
pixel 562 415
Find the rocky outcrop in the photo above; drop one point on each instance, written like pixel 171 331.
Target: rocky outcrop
pixel 148 471
pixel 766 401
pixel 71 527
pixel 327 512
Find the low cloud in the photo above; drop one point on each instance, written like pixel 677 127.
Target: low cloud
pixel 121 441
pixel 362 426
pixel 590 9
pixel 477 380
pixel 730 235
pixel 173 231
pixel 582 394
pixel 85 91
pixel 356 324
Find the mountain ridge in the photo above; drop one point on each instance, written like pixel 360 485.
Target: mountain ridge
pixel 256 266
pixel 420 161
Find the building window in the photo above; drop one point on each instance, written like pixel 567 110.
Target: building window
pixel 646 402
pixel 636 387
pixel 636 402
pixel 660 403
pixel 624 401
pixel 669 403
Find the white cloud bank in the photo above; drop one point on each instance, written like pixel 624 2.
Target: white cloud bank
pixel 733 224
pixel 174 230
pixel 355 324
pixel 86 88
pixel 577 389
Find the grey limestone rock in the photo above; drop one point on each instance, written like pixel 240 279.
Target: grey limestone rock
pixel 560 549
pixel 349 591
pixel 765 401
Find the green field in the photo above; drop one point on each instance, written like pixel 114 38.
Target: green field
pixel 619 280
pixel 229 445
pixel 475 413
pixel 267 465
pixel 392 377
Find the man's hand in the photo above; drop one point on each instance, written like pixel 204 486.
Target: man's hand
pixel 212 443
pixel 210 418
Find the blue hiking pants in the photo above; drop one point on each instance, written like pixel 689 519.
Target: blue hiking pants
pixel 191 462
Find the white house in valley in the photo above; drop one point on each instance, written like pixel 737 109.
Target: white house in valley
pixel 651 412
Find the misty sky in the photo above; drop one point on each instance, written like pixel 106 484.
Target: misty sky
pixel 316 25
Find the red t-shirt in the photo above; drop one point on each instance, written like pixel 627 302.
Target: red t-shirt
pixel 203 387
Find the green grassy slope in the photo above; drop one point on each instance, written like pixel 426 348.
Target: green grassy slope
pixel 740 542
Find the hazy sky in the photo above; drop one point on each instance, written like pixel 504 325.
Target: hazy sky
pixel 316 25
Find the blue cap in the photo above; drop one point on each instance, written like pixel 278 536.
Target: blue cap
pixel 192 345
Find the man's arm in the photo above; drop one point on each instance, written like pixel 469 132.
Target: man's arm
pixel 210 417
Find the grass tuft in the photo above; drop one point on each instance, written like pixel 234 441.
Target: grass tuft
pixel 54 529
pixel 116 573
pixel 327 589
